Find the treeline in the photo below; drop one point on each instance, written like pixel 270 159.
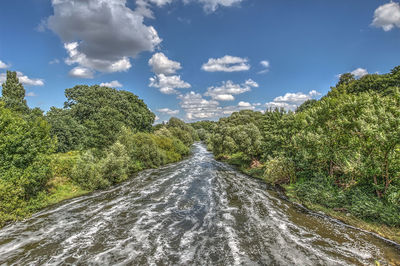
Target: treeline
pixel 341 152
pixel 101 137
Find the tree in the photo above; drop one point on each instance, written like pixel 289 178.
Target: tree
pixel 70 134
pixel 13 93
pixel 345 79
pixel 379 137
pixel 306 105
pixel 104 111
pixel 25 146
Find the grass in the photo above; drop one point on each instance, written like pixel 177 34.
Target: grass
pixel 61 188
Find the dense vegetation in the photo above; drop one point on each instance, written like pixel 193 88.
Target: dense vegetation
pixel 341 152
pixel 101 137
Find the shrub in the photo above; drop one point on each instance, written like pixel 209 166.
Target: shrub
pixel 279 170
pixel 115 166
pixel 87 172
pixel 62 164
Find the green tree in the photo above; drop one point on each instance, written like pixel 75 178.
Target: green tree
pixel 13 93
pixel 70 134
pixel 104 111
pixel 25 147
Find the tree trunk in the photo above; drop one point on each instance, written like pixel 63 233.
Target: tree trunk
pixel 378 193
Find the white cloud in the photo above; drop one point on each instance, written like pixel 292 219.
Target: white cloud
pixel 160 64
pixel 387 16
pixel 160 2
pixel 223 97
pixel 168 84
pixel 101 35
pixel 31 94
pixel 290 101
pixel 208 5
pixel 266 65
pixel 112 84
pixel 29 81
pixel 359 72
pixel 81 72
pixel 54 61
pixel 3 65
pixel 251 83
pixel 168 111
pixel 76 57
pixel 212 5
pixel 226 91
pixel 228 110
pixel 24 79
pixel 164 79
pixel 226 64
pixel 244 104
pixel 196 107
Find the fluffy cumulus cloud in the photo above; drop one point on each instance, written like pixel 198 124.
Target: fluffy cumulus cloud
pixel 24 79
pixel 168 111
pixel 168 84
pixel 81 72
pixel 290 101
pixel 226 64
pixel 160 64
pixel 101 35
pixel 3 65
pixel 112 84
pixel 244 104
pixel 228 89
pixel 164 70
pixel 196 107
pixel 387 16
pixel 359 72
pixel 228 110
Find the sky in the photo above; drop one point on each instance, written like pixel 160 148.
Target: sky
pixel 196 59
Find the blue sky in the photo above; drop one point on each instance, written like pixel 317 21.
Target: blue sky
pixel 196 59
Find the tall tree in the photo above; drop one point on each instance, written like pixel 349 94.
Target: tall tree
pixel 13 93
pixel 104 111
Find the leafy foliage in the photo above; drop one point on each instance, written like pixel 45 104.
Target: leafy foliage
pixel 70 134
pixel 13 93
pixel 102 136
pixel 25 148
pixel 103 111
pixel 342 151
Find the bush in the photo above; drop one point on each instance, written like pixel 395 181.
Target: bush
pixel 62 164
pixel 238 159
pixel 279 170
pixel 320 190
pixel 152 150
pixel 115 166
pixel 87 172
